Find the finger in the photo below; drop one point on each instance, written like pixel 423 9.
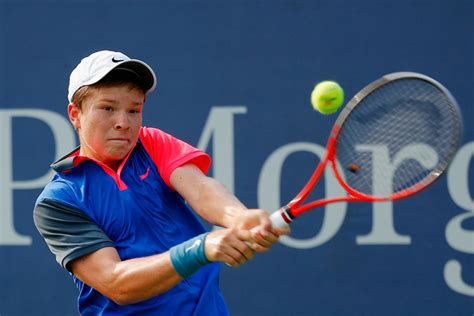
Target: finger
pixel 243 243
pixel 259 248
pixel 229 261
pixel 265 223
pixel 255 218
pixel 264 238
pixel 244 235
pixel 237 256
pixel 281 231
pixel 245 250
pixel 229 255
pixel 229 246
pixel 237 246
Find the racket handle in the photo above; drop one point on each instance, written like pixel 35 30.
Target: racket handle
pixel 278 219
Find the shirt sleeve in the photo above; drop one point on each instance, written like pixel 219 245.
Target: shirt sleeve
pixel 169 153
pixel 68 232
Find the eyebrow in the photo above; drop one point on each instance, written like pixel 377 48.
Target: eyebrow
pixel 115 101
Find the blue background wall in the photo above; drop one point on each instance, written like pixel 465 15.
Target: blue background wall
pixel 264 58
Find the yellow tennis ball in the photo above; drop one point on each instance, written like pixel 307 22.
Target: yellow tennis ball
pixel 327 97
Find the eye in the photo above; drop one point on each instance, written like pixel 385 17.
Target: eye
pixel 108 108
pixel 134 111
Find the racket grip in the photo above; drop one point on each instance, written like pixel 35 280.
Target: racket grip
pixel 277 219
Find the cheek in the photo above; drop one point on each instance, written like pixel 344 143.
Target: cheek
pixel 93 131
pixel 137 123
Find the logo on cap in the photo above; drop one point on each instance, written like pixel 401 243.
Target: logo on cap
pixel 116 60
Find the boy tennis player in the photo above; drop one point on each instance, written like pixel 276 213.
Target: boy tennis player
pixel 115 214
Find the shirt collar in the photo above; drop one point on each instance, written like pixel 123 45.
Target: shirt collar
pixel 72 159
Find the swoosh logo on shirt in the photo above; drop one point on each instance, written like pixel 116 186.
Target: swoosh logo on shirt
pixel 145 175
pixel 194 245
pixel 116 60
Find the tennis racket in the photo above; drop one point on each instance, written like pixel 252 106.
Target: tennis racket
pixel 401 130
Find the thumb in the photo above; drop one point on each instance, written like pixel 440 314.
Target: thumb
pixel 244 235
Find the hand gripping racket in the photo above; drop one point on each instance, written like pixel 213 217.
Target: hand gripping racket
pixel 393 139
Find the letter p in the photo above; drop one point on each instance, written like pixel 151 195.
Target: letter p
pixel 64 139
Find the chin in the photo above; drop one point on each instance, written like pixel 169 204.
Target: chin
pixel 117 155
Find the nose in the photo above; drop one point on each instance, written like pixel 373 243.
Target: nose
pixel 122 121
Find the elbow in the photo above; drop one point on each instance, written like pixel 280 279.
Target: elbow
pixel 121 299
pixel 120 296
pixel 126 297
pixel 125 289
pixel 118 290
pixel 115 294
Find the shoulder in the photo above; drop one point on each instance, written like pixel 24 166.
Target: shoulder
pixel 169 152
pixel 60 189
pixel 152 133
pixel 68 232
pixel 151 136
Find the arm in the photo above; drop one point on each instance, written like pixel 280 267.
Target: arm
pixel 129 281
pixel 209 198
pixel 83 248
pixel 213 202
pixel 134 280
pixel 183 166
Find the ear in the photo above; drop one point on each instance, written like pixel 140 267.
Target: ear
pixel 74 114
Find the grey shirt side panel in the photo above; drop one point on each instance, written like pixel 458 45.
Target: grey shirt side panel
pixel 68 232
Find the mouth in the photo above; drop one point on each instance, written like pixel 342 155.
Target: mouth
pixel 119 139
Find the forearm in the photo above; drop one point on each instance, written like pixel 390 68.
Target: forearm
pixel 209 198
pixel 216 204
pixel 135 280
pixel 128 281
pixel 213 202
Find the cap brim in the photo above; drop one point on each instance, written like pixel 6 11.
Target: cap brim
pixel 143 70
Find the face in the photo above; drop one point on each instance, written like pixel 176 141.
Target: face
pixel 108 123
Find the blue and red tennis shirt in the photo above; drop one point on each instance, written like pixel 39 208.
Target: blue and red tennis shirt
pixel 88 206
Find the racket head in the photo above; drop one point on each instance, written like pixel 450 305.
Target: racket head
pixel 395 137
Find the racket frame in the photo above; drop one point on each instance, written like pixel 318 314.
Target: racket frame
pixel 294 207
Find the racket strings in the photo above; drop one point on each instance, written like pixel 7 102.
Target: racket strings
pixel 396 137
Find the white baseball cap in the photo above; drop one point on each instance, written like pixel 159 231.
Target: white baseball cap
pixel 93 68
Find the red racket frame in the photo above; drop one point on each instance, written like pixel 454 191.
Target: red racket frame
pixel 294 208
